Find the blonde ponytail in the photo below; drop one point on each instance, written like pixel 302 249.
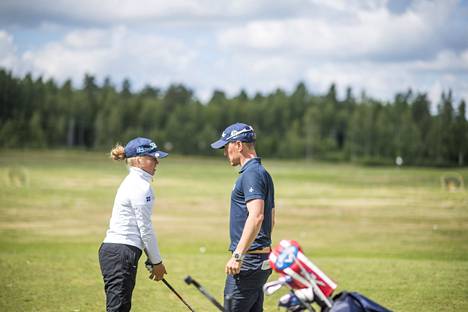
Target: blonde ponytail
pixel 118 152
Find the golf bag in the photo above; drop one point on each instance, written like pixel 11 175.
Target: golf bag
pixel 354 302
pixel 298 273
pixel 342 302
pixel 307 284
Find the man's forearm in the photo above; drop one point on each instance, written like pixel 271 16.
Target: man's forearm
pixel 250 232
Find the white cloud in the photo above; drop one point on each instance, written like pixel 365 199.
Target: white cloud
pixel 117 52
pixel 254 45
pixel 8 58
pixel 384 80
pixel 445 60
pixel 359 33
pixel 109 12
pixel 381 80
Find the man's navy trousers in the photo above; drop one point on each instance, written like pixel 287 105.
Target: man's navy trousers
pixel 246 288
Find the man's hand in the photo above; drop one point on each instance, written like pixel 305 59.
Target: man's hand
pixel 158 272
pixel 233 267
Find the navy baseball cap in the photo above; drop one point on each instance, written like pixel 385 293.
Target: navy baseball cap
pixel 143 147
pixel 236 132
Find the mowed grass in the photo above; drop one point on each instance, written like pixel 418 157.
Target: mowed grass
pixel 392 234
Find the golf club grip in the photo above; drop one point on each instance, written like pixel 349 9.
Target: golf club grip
pixel 189 280
pixel 177 294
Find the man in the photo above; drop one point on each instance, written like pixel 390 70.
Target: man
pixel 252 216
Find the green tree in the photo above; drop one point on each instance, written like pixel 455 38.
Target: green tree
pixel 461 133
pixel 312 136
pixel 447 116
pixel 37 134
pixel 421 116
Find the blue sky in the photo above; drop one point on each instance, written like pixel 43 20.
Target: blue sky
pixel 382 47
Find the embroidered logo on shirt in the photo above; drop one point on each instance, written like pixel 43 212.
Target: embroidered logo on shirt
pixel 148 198
pixel 251 189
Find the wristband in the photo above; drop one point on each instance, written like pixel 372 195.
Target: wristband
pixel 149 266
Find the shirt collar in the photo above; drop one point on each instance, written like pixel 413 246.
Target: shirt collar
pixel 141 173
pixel 250 162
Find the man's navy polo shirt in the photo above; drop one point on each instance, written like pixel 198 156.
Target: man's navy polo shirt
pixel 254 182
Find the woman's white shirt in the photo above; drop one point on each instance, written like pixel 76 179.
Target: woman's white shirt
pixel 130 223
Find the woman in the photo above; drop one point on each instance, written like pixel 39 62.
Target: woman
pixel 130 228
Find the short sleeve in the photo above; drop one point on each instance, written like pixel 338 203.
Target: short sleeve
pixel 253 186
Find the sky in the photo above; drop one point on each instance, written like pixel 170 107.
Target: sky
pixel 380 47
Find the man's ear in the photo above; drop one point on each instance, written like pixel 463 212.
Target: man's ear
pixel 240 146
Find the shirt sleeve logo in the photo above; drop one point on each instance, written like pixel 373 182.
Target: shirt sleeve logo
pixel 148 199
pixel 251 189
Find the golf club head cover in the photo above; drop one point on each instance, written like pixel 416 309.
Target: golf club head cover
pixel 273 286
pixel 306 294
pixel 291 303
pixel 288 260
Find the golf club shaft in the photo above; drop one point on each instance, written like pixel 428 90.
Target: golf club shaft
pixel 177 294
pixel 213 300
pixel 303 302
pixel 189 280
pixel 313 283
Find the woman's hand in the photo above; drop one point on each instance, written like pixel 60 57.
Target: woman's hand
pixel 158 272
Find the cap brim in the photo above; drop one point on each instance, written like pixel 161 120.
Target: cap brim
pixel 159 154
pixel 218 144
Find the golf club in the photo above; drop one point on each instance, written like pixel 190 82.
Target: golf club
pixel 177 294
pixel 189 280
pixel 301 299
pixel 272 287
pixel 149 267
pixel 313 283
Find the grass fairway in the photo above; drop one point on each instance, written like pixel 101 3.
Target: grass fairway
pixel 393 235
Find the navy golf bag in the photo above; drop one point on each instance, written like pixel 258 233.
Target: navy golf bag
pixel 354 302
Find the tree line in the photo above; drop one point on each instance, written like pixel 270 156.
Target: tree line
pixel 38 113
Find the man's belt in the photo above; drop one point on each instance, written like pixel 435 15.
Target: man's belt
pixel 264 250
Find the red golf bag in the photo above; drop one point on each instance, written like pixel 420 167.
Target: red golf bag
pixel 288 260
pixel 308 284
